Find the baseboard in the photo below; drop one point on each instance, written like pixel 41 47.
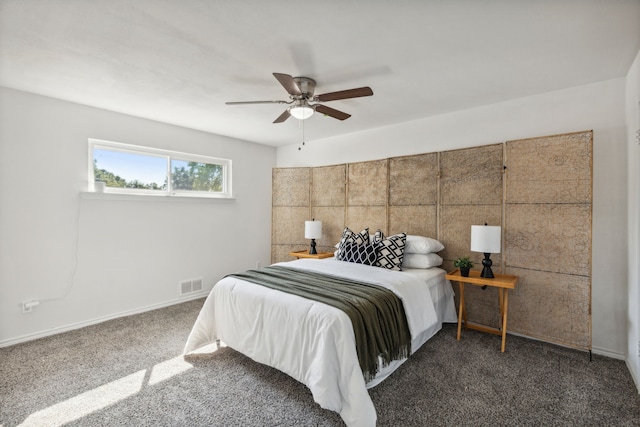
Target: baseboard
pixel 598 351
pixel 73 326
pixel 635 379
pixel 608 353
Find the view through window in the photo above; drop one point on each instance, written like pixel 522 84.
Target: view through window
pixel 132 169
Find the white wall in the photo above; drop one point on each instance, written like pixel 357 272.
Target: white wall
pixel 599 107
pixel 116 255
pixel 633 125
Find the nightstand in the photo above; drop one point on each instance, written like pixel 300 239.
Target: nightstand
pixel 305 254
pixel 503 282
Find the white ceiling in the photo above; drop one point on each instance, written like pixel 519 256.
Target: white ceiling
pixel 178 61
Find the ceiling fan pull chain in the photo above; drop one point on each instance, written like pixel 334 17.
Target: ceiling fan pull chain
pixel 302 124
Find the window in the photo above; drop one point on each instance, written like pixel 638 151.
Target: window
pixel 133 169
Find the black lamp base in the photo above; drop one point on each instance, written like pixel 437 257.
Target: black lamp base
pixel 312 249
pixel 486 271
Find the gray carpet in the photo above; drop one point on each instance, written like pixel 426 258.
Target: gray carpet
pixel 129 372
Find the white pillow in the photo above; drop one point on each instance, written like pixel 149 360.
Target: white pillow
pixel 421 260
pixel 422 245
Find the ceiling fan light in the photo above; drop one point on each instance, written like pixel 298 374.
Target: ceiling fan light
pixel 301 112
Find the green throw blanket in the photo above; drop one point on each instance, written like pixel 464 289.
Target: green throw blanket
pixel 377 314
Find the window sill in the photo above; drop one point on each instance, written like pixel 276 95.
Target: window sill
pixel 90 195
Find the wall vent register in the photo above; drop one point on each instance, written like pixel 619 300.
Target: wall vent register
pixel 193 285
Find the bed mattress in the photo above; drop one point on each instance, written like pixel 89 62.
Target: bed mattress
pixel 313 342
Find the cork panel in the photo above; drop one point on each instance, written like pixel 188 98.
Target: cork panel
pixel 552 307
pixel 290 186
pixel 332 224
pixel 417 220
pixel 413 180
pixel 288 225
pixel 280 253
pixel 372 217
pixel 447 265
pixel 471 176
pixel 367 183
pixel 328 185
pixel 455 231
pixel 331 249
pixel 555 169
pixel 554 238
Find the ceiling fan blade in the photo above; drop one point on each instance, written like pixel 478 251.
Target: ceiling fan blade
pixel 345 94
pixel 288 83
pixel 256 102
pixel 282 117
pixel 323 109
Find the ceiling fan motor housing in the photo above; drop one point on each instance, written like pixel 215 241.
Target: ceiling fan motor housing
pixel 307 86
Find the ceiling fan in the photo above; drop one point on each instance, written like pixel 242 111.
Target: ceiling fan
pixel 301 94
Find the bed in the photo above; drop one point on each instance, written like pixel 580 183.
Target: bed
pixel 314 343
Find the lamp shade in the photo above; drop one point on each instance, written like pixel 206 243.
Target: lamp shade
pixel 312 229
pixel 485 239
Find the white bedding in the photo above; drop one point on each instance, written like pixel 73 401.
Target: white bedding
pixel 314 342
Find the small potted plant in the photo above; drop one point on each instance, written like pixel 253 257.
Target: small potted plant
pixel 464 264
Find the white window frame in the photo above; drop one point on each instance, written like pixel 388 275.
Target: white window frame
pixel 168 155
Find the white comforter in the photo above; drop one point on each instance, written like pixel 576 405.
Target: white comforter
pixel 310 341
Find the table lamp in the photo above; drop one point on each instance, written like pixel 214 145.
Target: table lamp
pixel 486 239
pixel 313 231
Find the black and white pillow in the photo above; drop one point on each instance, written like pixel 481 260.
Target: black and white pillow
pixel 361 254
pixel 348 236
pixel 390 250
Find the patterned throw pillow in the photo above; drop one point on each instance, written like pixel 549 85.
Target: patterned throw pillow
pixel 361 254
pixel 390 250
pixel 348 236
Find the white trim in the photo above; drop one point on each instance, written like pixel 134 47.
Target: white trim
pixel 635 380
pixel 598 351
pixel 153 197
pixel 607 353
pixel 74 326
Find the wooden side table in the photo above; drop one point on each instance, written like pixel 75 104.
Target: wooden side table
pixel 306 254
pixel 503 282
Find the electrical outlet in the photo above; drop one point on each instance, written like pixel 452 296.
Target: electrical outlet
pixel 27 306
pixel 258 264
